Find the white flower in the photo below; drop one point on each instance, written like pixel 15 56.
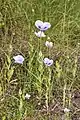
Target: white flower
pixel 42 25
pixel 40 34
pixel 49 44
pixel 66 110
pixel 18 59
pixel 27 96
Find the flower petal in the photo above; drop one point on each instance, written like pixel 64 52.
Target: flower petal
pixel 50 63
pixel 39 24
pixel 46 25
pixel 46 60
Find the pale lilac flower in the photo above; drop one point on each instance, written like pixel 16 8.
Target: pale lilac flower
pixel 66 110
pixel 49 44
pixel 48 61
pixel 19 59
pixel 27 96
pixel 42 25
pixel 40 34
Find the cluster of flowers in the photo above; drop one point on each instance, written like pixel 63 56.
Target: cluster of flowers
pixel 42 26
